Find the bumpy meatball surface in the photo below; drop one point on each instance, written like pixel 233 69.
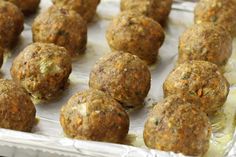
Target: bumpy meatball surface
pixel 158 10
pixel 200 82
pixel 11 24
pixel 123 76
pixel 206 42
pixel 86 8
pixel 42 69
pixel 137 34
pixel 94 115
pixel 62 27
pixel 178 126
pixel 17 112
pixel 221 12
pixel 27 6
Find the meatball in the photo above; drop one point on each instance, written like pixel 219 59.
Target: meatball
pixel 42 69
pixel 178 126
pixel 11 24
pixel 124 76
pixel 94 115
pixel 27 6
pixel 136 34
pixel 62 27
pixel 86 8
pixel 1 56
pixel 200 82
pixel 17 112
pixel 206 42
pixel 158 10
pixel 221 12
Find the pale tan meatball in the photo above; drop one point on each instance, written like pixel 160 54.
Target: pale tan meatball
pixel 11 24
pixel 86 8
pixel 94 115
pixel 136 34
pixel 27 6
pixel 158 10
pixel 42 69
pixel 199 82
pixel 62 27
pixel 178 126
pixel 17 112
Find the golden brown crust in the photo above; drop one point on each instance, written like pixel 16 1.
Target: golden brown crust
pixel 42 69
pixel 136 34
pixel 123 76
pixel 62 27
pixel 178 126
pixel 17 112
pixel 27 6
pixel 94 115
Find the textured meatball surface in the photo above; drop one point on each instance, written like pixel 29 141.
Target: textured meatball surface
pixel 42 69
pixel 94 115
pixel 27 6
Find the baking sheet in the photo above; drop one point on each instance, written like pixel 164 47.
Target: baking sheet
pixel 48 135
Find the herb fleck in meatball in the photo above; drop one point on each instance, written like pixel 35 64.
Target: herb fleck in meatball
pixel 42 69
pixel 86 8
pixel 122 75
pixel 27 6
pixel 94 115
pixel 221 12
pixel 17 112
pixel 136 34
pixel 198 81
pixel 158 10
pixel 62 27
pixel 11 24
pixel 206 42
pixel 178 126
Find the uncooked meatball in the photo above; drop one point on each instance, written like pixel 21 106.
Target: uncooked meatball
pixel 42 69
pixel 158 10
pixel 221 12
pixel 86 8
pixel 94 115
pixel 178 126
pixel 11 24
pixel 200 82
pixel 62 27
pixel 124 76
pixel 17 112
pixel 206 42
pixel 136 34
pixel 27 6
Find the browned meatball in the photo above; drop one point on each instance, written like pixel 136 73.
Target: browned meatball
pixel 27 6
pixel 11 24
pixel 1 56
pixel 206 42
pixel 122 75
pixel 198 81
pixel 178 126
pixel 17 112
pixel 94 115
pixel 158 10
pixel 62 27
pixel 86 8
pixel 136 34
pixel 221 12
pixel 42 69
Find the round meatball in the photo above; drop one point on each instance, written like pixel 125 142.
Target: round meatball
pixel 136 34
pixel 1 56
pixel 42 69
pixel 86 8
pixel 94 115
pixel 27 6
pixel 124 76
pixel 206 42
pixel 158 10
pixel 178 126
pixel 221 12
pixel 17 112
pixel 62 27
pixel 200 82
pixel 11 24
